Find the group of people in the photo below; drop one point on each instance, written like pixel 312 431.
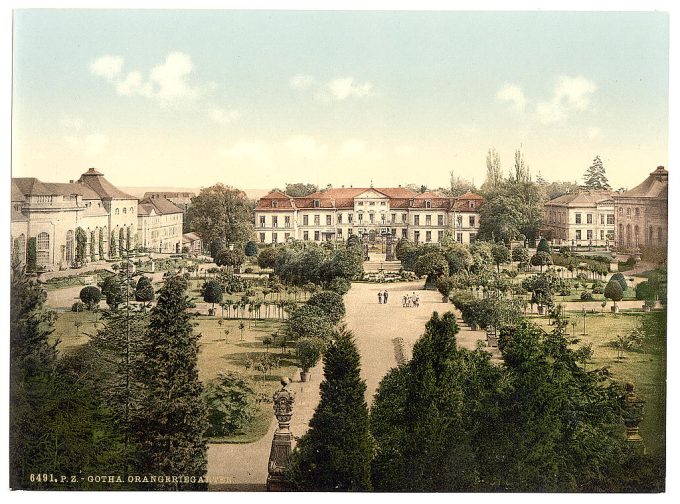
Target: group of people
pixel 382 297
pixel 411 301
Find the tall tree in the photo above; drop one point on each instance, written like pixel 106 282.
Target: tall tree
pixel 459 186
pixel 300 189
pixel 173 422
pixel 522 173
pixel 335 453
pixel 222 213
pixel 595 177
pixel 494 174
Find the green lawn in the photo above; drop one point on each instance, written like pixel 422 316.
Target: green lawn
pixel 71 336
pixel 645 370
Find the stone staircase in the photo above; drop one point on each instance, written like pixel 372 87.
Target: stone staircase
pixel 386 266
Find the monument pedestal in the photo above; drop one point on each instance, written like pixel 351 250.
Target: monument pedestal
pixel 282 443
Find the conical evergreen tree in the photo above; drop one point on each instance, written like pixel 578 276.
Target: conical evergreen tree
pixel 172 425
pixel 335 453
pixel 595 177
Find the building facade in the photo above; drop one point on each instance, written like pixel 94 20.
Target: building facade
pixel 56 219
pixel 642 213
pixel 335 214
pixel 582 218
pixel 159 224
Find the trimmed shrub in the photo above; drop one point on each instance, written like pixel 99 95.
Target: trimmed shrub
pixel 91 296
pixel 586 296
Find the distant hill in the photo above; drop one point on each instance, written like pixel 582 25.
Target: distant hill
pixel 139 191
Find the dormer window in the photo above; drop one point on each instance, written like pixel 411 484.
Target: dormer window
pixel 275 204
pixel 317 203
pixel 471 204
pixel 428 204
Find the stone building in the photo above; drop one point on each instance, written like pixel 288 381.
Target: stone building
pixel 642 213
pixel 53 218
pixel 335 214
pixel 582 218
pixel 159 224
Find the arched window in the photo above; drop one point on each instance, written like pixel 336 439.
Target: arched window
pixel 69 246
pixel 428 204
pixel 637 236
pixel 124 210
pixel 628 237
pixel 43 249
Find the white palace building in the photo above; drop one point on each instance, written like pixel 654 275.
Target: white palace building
pixel 50 217
pixel 335 214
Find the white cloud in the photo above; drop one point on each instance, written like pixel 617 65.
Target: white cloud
pixel 357 149
pixel 222 116
pixel 168 82
pixel 108 67
pixel 89 145
pixel 570 94
pixel 345 87
pixel 301 81
pixel 512 94
pixel 593 132
pixel 254 151
pixel 306 147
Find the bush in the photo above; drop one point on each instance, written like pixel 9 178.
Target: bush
pixel 613 291
pixel 621 279
pixel 309 352
pixel 565 251
pixel 212 292
pixel 543 246
pixel 645 291
pixel 445 285
pixel 144 290
pixel 230 404
pixel 250 249
pixel 230 258
pixel 586 296
pixel 340 285
pixel 91 296
pixel 330 303
pixel 78 306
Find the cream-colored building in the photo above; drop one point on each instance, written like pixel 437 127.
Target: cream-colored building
pixel 335 214
pixel 159 224
pixel 51 216
pixel 582 218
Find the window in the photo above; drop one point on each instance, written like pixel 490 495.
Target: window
pixel 428 236
pixel 403 233
pixel 440 236
pixel 473 237
pixel 578 218
pixel 428 220
pixel 43 248
pixel 394 218
pixel 394 231
pixel 382 203
pixel 371 217
pixel 275 237
pixel 316 235
pixel 317 220
pixel 637 212
pixel 275 221
pixel 620 211
pixel 610 219
pixel 472 221
pixel 339 233
pixel 628 211
pixel 589 234
pixel 361 218
pixel 428 204
pixel 371 203
pixel 275 204
pixel 610 234
pixel 416 236
pixel 459 220
pixel 459 237
pixel 589 218
pixel 350 218
pixel 601 234
pixel 601 218
pixel 471 204
pixel 360 203
pixel 286 236
pixel 305 235
pixel 328 220
pixel 383 218
pixel 286 221
pixel 578 234
pixel 440 220
pixel 117 211
pixel 124 211
pixel 339 218
pixel 305 220
pixel 317 203
pixel 404 218
pixel 416 220
pixel 261 237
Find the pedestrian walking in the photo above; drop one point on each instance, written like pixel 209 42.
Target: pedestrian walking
pixel 385 296
pixel 403 300
pixel 380 297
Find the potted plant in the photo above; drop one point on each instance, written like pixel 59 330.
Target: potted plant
pixel 309 352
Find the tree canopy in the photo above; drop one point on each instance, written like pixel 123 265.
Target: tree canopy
pixel 595 177
pixel 300 189
pixel 222 213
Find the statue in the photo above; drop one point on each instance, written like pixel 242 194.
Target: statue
pixel 632 416
pixel 279 456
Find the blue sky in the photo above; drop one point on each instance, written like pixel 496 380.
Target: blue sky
pixel 256 99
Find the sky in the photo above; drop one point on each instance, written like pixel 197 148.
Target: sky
pixel 256 99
